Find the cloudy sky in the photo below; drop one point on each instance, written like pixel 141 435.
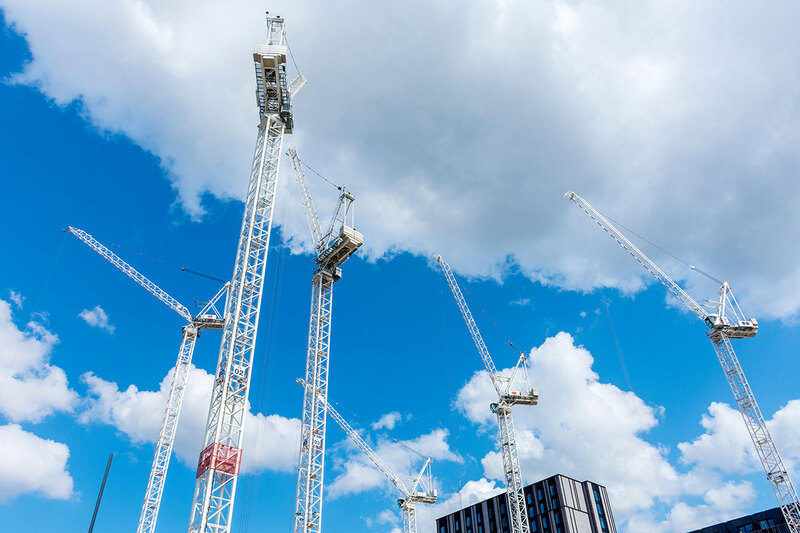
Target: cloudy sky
pixel 458 126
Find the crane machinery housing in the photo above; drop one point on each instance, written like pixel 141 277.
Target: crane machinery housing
pixel 507 397
pixel 410 497
pixel 332 249
pixel 725 321
pixel 208 318
pixel 220 459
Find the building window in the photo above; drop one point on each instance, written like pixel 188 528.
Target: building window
pixel 534 527
pixel 746 529
pixel 442 530
pixel 468 522
pixel 505 522
pixel 479 517
pixel 764 524
pixel 529 498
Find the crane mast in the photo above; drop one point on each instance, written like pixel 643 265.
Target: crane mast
pixel 410 497
pixel 207 318
pixel 725 322
pixel 332 250
pixel 507 397
pixel 221 455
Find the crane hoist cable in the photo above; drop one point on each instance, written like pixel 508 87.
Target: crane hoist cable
pixel 496 326
pixel 338 187
pixel 651 243
pixel 163 262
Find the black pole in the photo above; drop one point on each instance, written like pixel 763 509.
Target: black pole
pixel 100 496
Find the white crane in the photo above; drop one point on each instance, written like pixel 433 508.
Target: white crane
pixel 332 249
pixel 221 455
pixel 410 497
pixel 725 321
pixel 507 397
pixel 208 318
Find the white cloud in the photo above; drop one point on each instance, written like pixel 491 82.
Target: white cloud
pixel 97 318
pixel 32 465
pixel 270 441
pixel 32 387
pixel 359 474
pixel 726 445
pixel 17 298
pixel 387 421
pixel 471 493
pixel 588 429
pixel 647 109
pixel 522 302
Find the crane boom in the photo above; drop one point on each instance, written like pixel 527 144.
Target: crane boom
pixel 134 274
pixel 640 257
pixel 368 451
pixel 483 351
pixel 722 329
pixel 308 203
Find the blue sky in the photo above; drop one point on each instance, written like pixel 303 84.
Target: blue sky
pixel 102 132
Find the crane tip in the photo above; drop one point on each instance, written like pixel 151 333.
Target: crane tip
pixel 569 195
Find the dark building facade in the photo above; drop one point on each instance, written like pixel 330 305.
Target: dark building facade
pixel 770 521
pixel 557 504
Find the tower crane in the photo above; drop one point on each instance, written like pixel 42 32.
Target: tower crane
pixel 725 321
pixel 208 318
pixel 332 249
pixel 507 397
pixel 221 455
pixel 410 497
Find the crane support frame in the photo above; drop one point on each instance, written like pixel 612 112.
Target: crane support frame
pixel 308 511
pixel 766 450
pixel 166 437
pixel 218 467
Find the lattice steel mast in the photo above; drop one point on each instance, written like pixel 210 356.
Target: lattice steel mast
pixel 727 321
pixel 220 460
pixel 332 249
pixel 502 409
pixel 410 497
pixel 208 318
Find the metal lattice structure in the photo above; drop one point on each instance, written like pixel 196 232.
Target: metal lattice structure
pixel 725 321
pixel 221 456
pixel 208 318
pixel 507 397
pixel 410 497
pixel 332 250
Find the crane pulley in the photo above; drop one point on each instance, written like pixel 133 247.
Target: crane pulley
pixel 725 321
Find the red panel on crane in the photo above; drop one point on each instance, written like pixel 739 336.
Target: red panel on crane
pixel 221 458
